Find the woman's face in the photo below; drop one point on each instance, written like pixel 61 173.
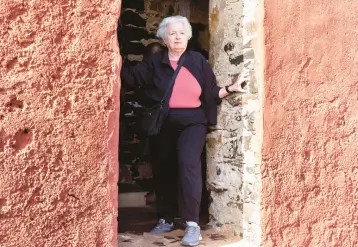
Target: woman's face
pixel 176 39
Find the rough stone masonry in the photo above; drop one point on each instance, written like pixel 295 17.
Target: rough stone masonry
pixel 59 100
pixel 234 145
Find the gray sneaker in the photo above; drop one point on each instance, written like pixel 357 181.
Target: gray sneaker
pixel 162 227
pixel 192 236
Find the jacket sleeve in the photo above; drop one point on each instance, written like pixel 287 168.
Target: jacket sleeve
pixel 210 81
pixel 137 76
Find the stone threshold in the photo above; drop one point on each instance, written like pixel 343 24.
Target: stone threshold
pixel 210 238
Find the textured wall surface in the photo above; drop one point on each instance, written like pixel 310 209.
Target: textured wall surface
pixel 59 100
pixel 310 153
pixel 234 145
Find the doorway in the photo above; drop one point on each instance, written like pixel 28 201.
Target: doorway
pixel 136 31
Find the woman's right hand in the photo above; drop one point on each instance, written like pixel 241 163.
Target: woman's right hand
pixel 242 81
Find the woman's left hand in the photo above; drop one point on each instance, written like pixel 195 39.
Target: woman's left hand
pixel 241 82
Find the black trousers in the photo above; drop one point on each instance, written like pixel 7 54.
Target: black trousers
pixel 176 154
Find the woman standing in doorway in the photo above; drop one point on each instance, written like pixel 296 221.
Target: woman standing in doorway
pixel 193 106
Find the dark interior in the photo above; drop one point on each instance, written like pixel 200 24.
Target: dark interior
pixel 136 29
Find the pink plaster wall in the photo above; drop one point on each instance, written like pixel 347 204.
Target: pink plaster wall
pixel 310 151
pixel 59 89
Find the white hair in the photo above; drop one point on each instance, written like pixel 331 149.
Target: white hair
pixel 162 30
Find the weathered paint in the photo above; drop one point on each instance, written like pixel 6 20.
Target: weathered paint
pixel 310 154
pixel 59 101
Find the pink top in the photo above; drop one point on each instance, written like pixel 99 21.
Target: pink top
pixel 186 90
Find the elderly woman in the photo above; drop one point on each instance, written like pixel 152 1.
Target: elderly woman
pixel 192 107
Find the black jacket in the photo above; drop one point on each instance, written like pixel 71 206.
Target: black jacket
pixel 154 73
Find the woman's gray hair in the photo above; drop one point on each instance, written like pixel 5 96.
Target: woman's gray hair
pixel 162 30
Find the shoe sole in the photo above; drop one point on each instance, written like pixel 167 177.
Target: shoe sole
pixel 192 244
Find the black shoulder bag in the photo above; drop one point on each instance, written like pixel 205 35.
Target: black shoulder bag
pixel 153 117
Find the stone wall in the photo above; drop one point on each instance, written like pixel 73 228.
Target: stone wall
pixel 59 86
pixel 234 145
pixel 310 154
pixel 139 22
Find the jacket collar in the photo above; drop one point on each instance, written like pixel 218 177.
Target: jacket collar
pixel 165 57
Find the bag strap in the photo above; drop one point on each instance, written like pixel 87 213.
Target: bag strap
pixel 172 81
